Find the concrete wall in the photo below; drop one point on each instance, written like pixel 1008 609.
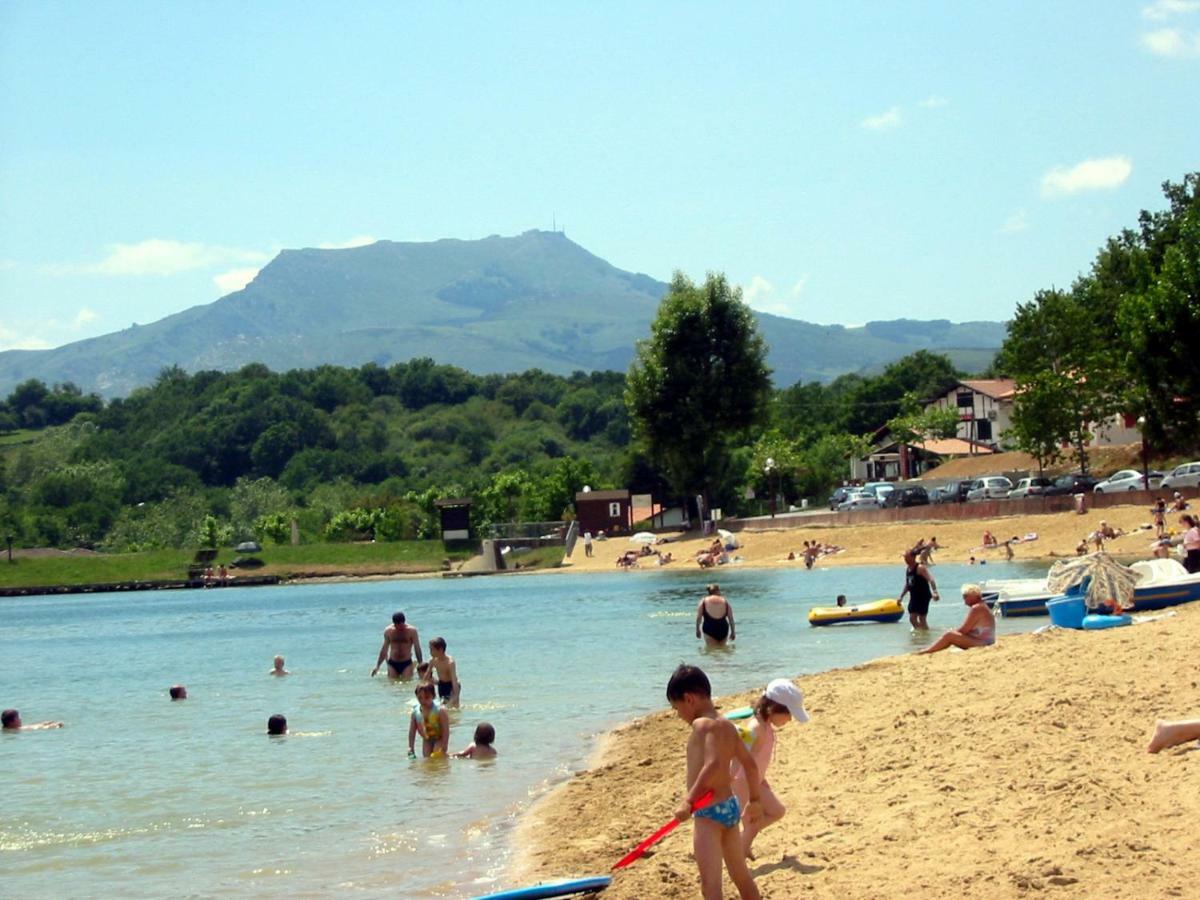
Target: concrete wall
pixel 955 512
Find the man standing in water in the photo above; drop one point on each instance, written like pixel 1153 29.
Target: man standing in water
pixel 920 586
pixel 399 641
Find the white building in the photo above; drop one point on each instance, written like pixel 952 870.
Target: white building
pixel 985 409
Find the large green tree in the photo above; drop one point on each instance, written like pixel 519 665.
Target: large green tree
pixel 1159 313
pixel 698 385
pixel 1066 372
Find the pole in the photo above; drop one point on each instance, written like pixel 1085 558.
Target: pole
pixel 770 467
pixel 1145 454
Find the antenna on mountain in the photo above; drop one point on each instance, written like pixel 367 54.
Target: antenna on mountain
pixel 553 222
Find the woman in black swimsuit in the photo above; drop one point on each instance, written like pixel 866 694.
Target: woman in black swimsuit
pixel 714 617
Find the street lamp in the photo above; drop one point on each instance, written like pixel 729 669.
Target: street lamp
pixel 769 468
pixel 1141 423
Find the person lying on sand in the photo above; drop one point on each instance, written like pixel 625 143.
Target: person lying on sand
pixel 1171 734
pixel 977 630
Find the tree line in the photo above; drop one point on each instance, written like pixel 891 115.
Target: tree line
pixel 351 453
pixel 1118 341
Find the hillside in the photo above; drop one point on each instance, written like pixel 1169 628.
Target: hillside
pixel 500 304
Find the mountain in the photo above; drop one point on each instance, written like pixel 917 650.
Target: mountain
pixel 501 304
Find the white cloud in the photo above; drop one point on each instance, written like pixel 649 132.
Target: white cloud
pixel 1164 9
pixel 161 257
pixel 1016 222
pixel 84 317
pixel 361 241
pixel 6 264
pixel 761 295
pixel 889 119
pixel 1172 42
pixel 757 290
pixel 234 279
pixel 1089 175
pixel 933 102
pixel 11 340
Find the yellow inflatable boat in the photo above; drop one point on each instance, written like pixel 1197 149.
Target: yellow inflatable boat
pixel 880 611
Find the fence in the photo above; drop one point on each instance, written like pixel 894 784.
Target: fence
pixel 529 534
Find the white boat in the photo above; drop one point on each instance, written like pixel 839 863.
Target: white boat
pixel 1161 583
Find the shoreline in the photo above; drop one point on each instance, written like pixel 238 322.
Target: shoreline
pixel 1007 770
pixel 881 543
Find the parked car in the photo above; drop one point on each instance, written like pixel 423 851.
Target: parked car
pixel 880 489
pixel 1187 475
pixel 1128 480
pixel 944 493
pixel 993 487
pixel 839 494
pixel 910 495
pixel 1028 487
pixel 951 492
pixel 859 499
pixel 1074 483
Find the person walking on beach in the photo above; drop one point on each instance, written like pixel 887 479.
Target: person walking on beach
pixel 712 747
pixel 977 630
pixel 1191 542
pixel 714 618
pixel 919 586
pixel 780 703
pixel 399 641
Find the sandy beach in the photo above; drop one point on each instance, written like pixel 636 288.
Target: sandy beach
pixel 881 544
pixel 1008 771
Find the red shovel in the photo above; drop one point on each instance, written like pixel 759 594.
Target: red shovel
pixel 649 842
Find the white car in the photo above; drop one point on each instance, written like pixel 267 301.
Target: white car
pixel 880 489
pixel 1187 475
pixel 1028 487
pixel 859 500
pixel 1128 480
pixel 993 487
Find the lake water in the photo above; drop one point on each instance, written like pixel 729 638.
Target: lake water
pixel 139 796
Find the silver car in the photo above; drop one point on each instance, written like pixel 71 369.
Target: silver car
pixel 859 500
pixel 1029 486
pixel 1187 475
pixel 1128 480
pixel 993 487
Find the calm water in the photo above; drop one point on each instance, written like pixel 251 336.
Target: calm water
pixel 145 797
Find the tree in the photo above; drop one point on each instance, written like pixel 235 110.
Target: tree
pixel 1157 319
pixel 1055 340
pixel 699 384
pixel 1042 418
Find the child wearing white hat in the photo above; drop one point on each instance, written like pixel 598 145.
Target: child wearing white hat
pixel 781 702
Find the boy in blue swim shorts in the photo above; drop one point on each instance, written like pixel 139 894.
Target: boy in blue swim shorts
pixel 714 743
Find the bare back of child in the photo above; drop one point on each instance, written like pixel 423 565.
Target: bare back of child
pixel 713 745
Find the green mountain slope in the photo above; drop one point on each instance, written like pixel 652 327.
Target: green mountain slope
pixel 501 304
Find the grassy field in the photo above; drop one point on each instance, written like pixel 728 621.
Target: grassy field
pixel 307 560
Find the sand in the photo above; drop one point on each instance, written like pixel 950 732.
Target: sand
pixel 870 543
pixel 1010 771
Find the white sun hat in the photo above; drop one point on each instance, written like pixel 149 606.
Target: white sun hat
pixel 785 693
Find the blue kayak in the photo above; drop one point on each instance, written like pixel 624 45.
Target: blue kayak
pixel 554 889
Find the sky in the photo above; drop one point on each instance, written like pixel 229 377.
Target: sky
pixel 841 161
